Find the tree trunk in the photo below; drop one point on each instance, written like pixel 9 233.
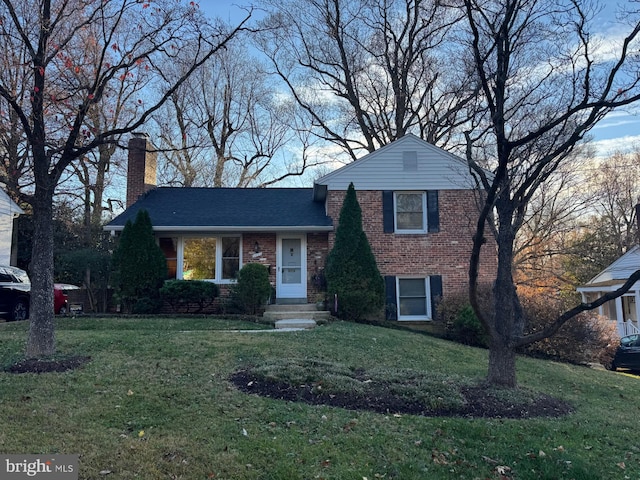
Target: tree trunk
pixel 41 340
pixel 502 364
pixel 507 318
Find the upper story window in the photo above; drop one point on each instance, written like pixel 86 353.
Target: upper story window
pixel 410 212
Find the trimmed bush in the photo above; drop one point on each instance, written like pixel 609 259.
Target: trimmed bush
pixel 352 273
pixel 146 305
pixel 467 329
pixel 461 323
pixel 183 295
pixel 252 289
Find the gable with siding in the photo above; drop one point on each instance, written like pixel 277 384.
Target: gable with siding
pixel 409 163
pixel 621 269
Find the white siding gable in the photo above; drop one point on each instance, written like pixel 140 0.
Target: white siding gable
pixel 8 210
pixel 406 164
pixel 621 269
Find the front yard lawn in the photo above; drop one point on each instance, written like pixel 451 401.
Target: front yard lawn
pixel 157 399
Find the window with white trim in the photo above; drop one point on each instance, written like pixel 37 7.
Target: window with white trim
pixel 410 212
pixel 215 258
pixel 414 298
pixel 230 257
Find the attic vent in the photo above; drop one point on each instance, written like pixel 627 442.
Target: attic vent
pixel 410 161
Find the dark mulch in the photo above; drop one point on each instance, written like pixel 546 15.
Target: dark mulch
pixel 38 365
pixel 479 403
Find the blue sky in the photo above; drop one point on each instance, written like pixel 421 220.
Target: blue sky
pixel 618 131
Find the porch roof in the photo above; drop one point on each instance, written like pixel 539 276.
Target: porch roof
pixel 615 274
pixel 606 286
pixel 228 209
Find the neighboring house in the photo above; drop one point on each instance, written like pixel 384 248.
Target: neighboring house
pixel 9 211
pixel 418 207
pixel 624 310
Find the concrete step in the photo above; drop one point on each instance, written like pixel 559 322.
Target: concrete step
pixel 307 311
pixel 313 315
pixel 302 307
pixel 296 323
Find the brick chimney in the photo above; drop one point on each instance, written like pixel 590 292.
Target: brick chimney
pixel 141 171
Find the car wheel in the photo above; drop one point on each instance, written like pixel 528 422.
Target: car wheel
pixel 63 310
pixel 20 311
pixel 613 367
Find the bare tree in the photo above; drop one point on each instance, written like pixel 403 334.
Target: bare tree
pixel 540 246
pixel 615 184
pixel 136 39
pixel 610 228
pixel 544 84
pixel 366 73
pixel 228 125
pixel 15 163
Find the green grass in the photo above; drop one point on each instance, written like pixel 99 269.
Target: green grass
pixel 155 403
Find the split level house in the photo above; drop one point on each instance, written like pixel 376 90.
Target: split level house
pixel 419 208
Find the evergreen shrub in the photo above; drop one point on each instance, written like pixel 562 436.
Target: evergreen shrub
pixel 252 290
pixel 351 271
pixel 183 295
pixel 139 267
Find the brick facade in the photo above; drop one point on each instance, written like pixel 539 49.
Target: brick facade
pixel 444 253
pixel 266 254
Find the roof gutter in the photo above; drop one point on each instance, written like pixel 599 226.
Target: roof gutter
pixel 234 229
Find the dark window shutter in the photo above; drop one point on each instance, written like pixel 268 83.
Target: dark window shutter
pixel 433 215
pixel 391 303
pixel 387 211
pixel 435 282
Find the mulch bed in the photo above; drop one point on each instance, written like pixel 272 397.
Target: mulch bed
pixel 478 403
pixel 36 365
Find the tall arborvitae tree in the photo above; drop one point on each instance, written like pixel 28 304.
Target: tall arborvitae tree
pixel 352 273
pixel 140 267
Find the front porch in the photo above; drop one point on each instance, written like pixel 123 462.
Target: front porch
pixel 624 310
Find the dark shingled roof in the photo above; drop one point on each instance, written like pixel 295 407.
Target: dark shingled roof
pixel 228 209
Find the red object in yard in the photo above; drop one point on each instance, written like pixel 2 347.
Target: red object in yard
pixel 60 299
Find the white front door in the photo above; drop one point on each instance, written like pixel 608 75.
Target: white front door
pixel 291 275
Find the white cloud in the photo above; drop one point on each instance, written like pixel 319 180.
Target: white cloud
pixel 620 144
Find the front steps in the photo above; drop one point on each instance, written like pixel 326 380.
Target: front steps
pixel 295 316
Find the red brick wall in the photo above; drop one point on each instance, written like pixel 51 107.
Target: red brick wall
pixel 317 251
pixel 266 254
pixel 141 168
pixel 444 253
